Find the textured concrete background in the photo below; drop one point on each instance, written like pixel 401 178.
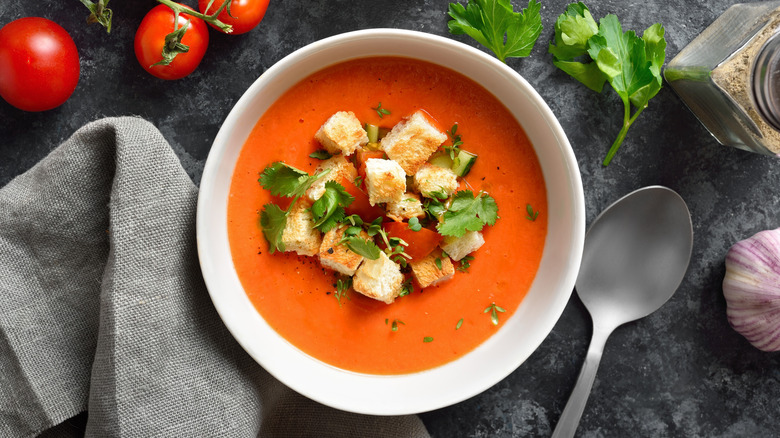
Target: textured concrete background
pixel 681 372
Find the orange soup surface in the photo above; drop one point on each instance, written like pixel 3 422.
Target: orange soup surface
pixel 436 325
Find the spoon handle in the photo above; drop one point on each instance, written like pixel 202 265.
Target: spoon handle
pixel 570 418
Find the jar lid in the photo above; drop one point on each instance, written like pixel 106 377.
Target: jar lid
pixel 766 81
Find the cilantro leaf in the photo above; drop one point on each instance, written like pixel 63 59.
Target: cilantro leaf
pixel 273 221
pixel 495 25
pixel 366 248
pixel 631 64
pixel 468 213
pixel 284 180
pixel 320 154
pixel 328 210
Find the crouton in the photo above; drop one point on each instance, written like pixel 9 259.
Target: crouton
pixel 385 181
pixel 427 273
pixel 337 256
pixel 407 208
pixel 459 247
pixel 299 234
pixel 435 182
pixel 342 133
pixel 339 167
pixel 380 279
pixel 412 141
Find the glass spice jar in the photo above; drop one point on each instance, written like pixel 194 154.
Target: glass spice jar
pixel 729 76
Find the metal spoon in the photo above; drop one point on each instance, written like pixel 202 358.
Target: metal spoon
pixel 635 256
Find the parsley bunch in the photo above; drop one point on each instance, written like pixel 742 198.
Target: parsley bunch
pixel 495 25
pixel 595 54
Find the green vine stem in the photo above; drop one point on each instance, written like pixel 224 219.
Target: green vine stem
pixel 211 19
pixel 99 13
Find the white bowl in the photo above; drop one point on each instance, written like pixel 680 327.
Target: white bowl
pixel 478 370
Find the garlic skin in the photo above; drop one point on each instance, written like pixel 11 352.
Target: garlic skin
pixel 752 289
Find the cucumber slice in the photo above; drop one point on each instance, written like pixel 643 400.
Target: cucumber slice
pixel 463 162
pixel 441 160
pixel 373 133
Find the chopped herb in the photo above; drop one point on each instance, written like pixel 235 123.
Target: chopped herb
pixel 464 263
pixel 358 181
pixel 493 308
pixel 406 288
pixel 460 323
pixel 414 224
pixel 532 215
pixel 468 213
pixel 394 325
pixel 434 208
pixel 366 248
pixel 438 263
pixel 381 111
pixel 495 25
pixel 354 219
pixel 453 149
pixel 343 284
pixel 320 154
pixel 427 339
pixel 328 210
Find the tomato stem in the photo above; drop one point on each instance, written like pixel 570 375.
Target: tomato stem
pixel 99 13
pixel 211 19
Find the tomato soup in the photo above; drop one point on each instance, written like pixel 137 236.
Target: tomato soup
pixel 436 325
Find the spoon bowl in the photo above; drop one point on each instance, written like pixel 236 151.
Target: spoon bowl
pixel 635 256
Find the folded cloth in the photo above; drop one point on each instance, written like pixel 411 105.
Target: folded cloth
pixel 103 307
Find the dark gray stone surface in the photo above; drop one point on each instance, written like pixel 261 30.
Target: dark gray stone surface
pixel 681 372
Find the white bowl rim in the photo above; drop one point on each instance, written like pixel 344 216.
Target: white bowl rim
pixel 355 392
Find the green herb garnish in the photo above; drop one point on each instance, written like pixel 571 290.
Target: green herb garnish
pixel 464 263
pixel 361 246
pixel 631 65
pixel 493 309
pixel 495 25
pixel 328 210
pixel 381 111
pixel 406 288
pixel 394 324
pixel 427 339
pixel 468 213
pixel 414 224
pixel 460 323
pixel 438 263
pixel 320 154
pixel 531 215
pixel 343 284
pixel 453 149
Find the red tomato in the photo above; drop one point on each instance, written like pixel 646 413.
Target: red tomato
pixel 360 206
pixel 39 64
pixel 421 243
pixel 361 158
pixel 150 39
pixel 244 15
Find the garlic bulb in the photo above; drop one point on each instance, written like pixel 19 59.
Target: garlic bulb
pixel 752 289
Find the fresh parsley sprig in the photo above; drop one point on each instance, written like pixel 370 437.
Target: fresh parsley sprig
pixel 282 180
pixel 328 210
pixel 495 25
pixel 468 212
pixel 631 64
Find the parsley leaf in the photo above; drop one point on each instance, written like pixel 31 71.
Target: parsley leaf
pixel 320 154
pixel 495 25
pixel 595 55
pixel 273 220
pixel 328 210
pixel 468 213
pixel 284 180
pixel 366 248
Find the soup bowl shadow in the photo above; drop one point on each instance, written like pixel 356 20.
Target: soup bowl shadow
pixel 517 337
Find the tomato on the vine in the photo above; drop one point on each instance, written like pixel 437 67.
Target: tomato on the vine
pixel 244 15
pixel 150 39
pixel 39 64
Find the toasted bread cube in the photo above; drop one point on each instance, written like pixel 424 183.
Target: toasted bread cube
pixel 427 273
pixel 339 167
pixel 412 141
pixel 407 208
pixel 430 180
pixel 385 181
pixel 342 133
pixel 299 234
pixel 337 256
pixel 380 279
pixel 459 247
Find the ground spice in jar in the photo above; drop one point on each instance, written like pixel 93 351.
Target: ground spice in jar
pixel 735 77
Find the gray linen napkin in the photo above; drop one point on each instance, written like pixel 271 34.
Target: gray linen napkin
pixel 103 308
